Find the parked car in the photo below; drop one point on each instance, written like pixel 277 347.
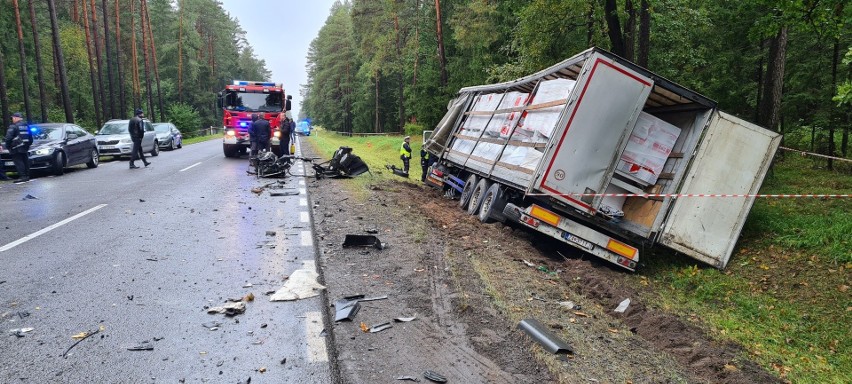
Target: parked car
pixel 57 146
pixel 168 136
pixel 114 139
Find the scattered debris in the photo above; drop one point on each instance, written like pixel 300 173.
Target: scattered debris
pixel 284 361
pixel 363 241
pixel 435 376
pixel 249 297
pixel 248 285
pixel 231 309
pixel 364 327
pixel 261 369
pixel 30 197
pixel 380 327
pixel 143 346
pixel 396 171
pixel 284 193
pixel 405 319
pixel 212 325
pixel 301 284
pixel 270 233
pixel 19 332
pixel 347 307
pixel 567 304
pixel 622 306
pixel 374 298
pixel 548 341
pixel 528 263
pixel 152 259
pixel 409 378
pixel 80 337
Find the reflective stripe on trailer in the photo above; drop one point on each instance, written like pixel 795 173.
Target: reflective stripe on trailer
pixel 581 237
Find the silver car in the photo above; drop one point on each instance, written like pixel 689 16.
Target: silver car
pixel 114 139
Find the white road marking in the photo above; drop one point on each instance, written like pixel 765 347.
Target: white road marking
pixel 303 202
pixel 302 191
pixel 307 239
pixel 304 217
pixel 317 352
pixel 198 163
pixel 48 229
pixel 302 183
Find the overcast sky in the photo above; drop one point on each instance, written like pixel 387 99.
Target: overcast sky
pixel 280 31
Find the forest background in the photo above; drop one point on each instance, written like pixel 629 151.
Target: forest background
pixel 392 65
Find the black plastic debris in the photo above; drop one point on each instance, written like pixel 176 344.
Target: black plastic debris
pixel 435 376
pixel 342 165
pixel 30 197
pixel 380 327
pixel 409 378
pixel 397 171
pixel 541 335
pixel 363 241
pixel 347 307
pixel 284 193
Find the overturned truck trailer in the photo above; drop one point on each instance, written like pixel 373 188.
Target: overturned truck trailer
pixel 605 156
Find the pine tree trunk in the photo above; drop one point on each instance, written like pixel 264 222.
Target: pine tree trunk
pixel 96 101
pixel 590 23
pixel 145 54
pixel 60 63
pixel 96 41
pixel 42 95
pixel 180 51
pixel 378 126
pixel 25 79
pixel 4 98
pixel 442 58
pixel 400 84
pixel 630 31
pixel 644 33
pixel 770 110
pixel 154 61
pixel 108 57
pixel 121 93
pixel 614 27
pixel 137 94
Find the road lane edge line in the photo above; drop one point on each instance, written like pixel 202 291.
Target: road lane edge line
pixel 196 164
pixel 49 228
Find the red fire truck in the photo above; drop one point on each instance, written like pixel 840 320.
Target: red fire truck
pixel 242 99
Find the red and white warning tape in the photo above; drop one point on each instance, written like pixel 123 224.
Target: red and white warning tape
pixel 679 195
pixel 815 154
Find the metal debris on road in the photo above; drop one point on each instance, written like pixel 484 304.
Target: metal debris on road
pixel 405 319
pixel 409 378
pixel 380 327
pixel 284 193
pixel 80 337
pixel 19 332
pixel 567 304
pixel 347 307
pixel 143 346
pixel 211 325
pixel 435 376
pixel 231 309
pixel 548 341
pixel 270 233
pixel 622 306
pixel 30 197
pixel 363 241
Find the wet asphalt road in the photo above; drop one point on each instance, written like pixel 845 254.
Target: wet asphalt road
pixel 140 254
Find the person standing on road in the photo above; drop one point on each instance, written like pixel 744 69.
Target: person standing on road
pixel 292 135
pixel 286 136
pixel 18 141
pixel 136 128
pixel 426 160
pixel 405 153
pixel 260 132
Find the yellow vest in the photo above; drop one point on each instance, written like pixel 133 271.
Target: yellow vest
pixel 403 151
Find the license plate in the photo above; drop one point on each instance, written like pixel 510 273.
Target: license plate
pixel 107 147
pixel 577 240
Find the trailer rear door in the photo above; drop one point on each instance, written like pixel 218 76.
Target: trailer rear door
pixel 732 158
pixel 597 122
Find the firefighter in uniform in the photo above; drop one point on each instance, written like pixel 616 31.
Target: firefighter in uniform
pixel 405 153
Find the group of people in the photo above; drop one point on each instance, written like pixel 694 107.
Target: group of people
pixel 260 133
pixel 426 159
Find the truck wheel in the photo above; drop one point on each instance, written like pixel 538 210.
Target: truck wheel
pixel 230 150
pixel 477 195
pixel 493 203
pixel 469 185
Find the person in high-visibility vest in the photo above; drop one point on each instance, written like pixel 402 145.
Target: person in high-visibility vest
pixel 405 153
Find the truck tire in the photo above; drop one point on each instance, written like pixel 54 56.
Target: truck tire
pixel 469 185
pixel 230 150
pixel 477 195
pixel 492 205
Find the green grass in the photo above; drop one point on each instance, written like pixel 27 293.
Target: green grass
pixel 785 295
pixel 376 151
pixel 198 139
